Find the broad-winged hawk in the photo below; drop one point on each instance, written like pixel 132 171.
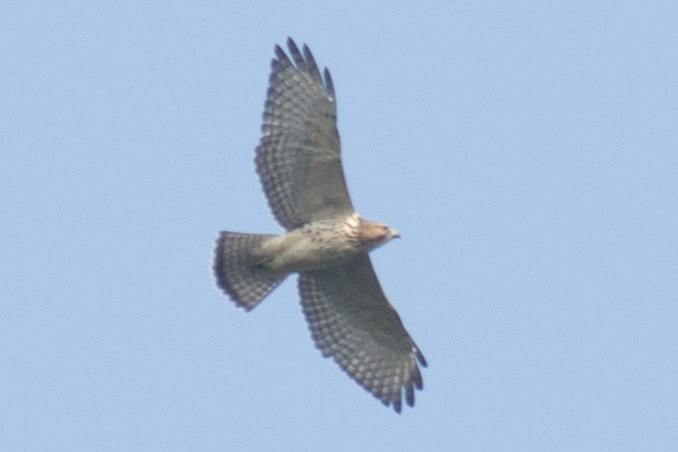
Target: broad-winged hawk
pixel 299 163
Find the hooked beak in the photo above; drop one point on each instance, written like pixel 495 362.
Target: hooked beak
pixel 395 234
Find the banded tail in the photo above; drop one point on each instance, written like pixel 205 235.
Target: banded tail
pixel 237 271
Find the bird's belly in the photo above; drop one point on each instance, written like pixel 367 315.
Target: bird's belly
pixel 303 250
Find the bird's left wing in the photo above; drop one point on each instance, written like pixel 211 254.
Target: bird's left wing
pixel 298 159
pixel 352 321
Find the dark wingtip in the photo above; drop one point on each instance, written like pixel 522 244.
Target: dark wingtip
pixel 304 61
pixel 294 50
pixel 409 394
pixel 290 42
pixel 420 358
pixel 279 51
pixel 329 85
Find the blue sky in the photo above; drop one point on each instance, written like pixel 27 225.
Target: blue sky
pixel 526 151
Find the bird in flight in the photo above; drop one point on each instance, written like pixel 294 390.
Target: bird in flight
pixel 327 243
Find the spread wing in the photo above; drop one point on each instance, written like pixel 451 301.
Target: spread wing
pixel 298 158
pixel 352 321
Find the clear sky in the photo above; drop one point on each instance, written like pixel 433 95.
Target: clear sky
pixel 526 151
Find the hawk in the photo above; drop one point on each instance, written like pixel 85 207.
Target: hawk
pixel 327 243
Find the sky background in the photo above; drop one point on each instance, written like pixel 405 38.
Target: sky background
pixel 526 151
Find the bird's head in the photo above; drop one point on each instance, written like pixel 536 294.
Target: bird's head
pixel 373 234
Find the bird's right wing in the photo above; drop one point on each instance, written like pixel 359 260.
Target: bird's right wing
pixel 352 321
pixel 298 159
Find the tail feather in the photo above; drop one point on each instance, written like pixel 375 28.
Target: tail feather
pixel 238 274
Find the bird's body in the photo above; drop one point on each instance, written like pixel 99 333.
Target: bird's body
pixel 326 243
pixel 322 244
